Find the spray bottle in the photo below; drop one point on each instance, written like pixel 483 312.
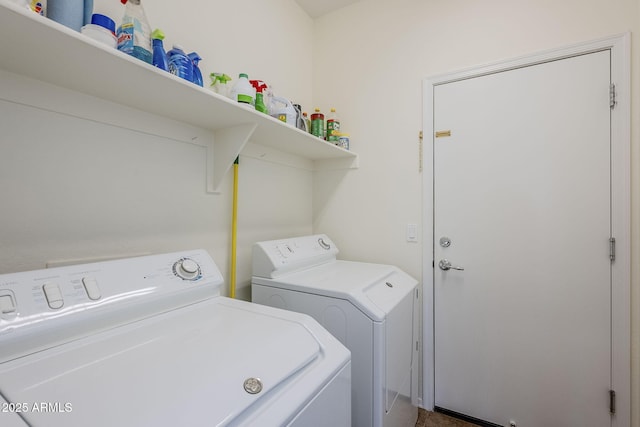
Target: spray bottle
pixel 219 84
pixel 134 34
pixel 260 86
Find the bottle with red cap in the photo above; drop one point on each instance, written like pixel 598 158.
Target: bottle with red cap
pixel 260 86
pixel 134 34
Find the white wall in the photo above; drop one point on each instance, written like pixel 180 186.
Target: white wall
pixel 74 189
pixel 269 40
pixel 370 59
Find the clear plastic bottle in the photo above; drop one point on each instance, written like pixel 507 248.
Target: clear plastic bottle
pixel 180 64
pixel 333 127
pixel 307 121
pixel 134 33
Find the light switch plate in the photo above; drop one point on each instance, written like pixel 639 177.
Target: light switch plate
pixel 412 232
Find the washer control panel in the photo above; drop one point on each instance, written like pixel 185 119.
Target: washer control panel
pixel 55 305
pixel 276 257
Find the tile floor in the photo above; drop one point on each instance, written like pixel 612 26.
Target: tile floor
pixel 434 419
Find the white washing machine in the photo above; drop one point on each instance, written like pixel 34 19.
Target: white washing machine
pixel 371 308
pixel 149 342
pixel 9 416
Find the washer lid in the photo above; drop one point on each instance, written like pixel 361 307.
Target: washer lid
pixel 374 288
pixel 206 364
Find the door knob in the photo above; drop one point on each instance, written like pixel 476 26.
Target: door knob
pixel 445 265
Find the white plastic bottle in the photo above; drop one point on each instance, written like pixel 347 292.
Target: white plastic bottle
pixel 283 110
pixel 243 91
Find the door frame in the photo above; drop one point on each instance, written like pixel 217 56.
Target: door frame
pixel 619 46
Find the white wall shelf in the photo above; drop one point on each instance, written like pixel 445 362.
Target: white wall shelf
pixel 36 47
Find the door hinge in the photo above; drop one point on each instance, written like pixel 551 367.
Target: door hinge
pixel 612 402
pixel 612 96
pixel 417 297
pixel 612 249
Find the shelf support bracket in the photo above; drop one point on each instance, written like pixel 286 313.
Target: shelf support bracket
pixel 223 150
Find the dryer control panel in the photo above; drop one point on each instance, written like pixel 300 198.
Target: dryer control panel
pixel 46 307
pixel 274 258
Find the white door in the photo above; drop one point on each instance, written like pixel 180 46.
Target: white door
pixel 522 203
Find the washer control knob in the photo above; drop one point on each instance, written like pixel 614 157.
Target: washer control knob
pixel 186 269
pixel 324 245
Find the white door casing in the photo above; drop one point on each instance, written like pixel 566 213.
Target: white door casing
pixel 617 47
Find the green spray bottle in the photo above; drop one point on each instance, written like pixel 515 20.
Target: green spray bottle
pixel 259 85
pixel 219 84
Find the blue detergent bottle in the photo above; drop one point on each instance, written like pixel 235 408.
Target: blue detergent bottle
pixel 159 55
pixel 197 75
pixel 180 64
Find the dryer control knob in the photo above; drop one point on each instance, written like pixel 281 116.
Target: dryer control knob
pixel 186 269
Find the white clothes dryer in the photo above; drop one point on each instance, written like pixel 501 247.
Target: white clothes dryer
pixel 371 308
pixel 150 342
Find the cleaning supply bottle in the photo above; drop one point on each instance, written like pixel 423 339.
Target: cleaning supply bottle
pixel 197 75
pixel 317 124
pixel 179 63
pixel 69 13
pixel 260 105
pixel 307 121
pixel 300 123
pixel 283 110
pixel 220 84
pixel 260 86
pixel 38 6
pixel 88 12
pixel 134 34
pixel 243 92
pixel 333 126
pixel 159 55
